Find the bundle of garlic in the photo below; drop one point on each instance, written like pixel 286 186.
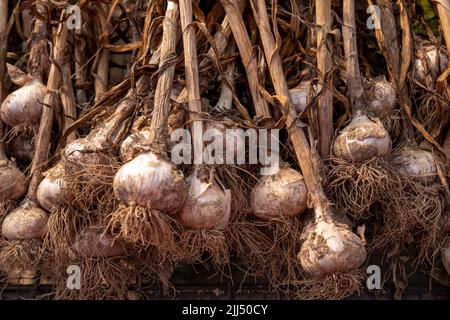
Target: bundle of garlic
pixel 24 227
pixel 318 258
pixel 151 188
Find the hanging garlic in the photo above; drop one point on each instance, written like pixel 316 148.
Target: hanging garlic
pixel 381 97
pixel 24 106
pixel 207 205
pixel 150 181
pixel 430 61
pixel 330 247
pixel 417 163
pixel 130 147
pixel 362 139
pixel 13 184
pixel 25 222
pixel 52 192
pixel 283 194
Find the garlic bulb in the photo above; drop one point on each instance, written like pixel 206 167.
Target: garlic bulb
pixel 21 148
pixel 93 243
pixel 52 192
pixel 207 205
pixel 446 255
pixel 84 153
pixel 24 106
pixel 283 194
pixel 25 222
pixel 13 184
pixel 130 146
pixel 362 140
pixel 429 61
pixel 417 163
pixel 330 247
pixel 150 181
pixel 381 98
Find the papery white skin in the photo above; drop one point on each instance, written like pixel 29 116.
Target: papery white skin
pixel 130 146
pixel 84 153
pixel 281 195
pixel 419 164
pixel 330 247
pixel 150 181
pixel 362 139
pixel 381 98
pixel 13 183
pixel 52 192
pixel 24 106
pixel 429 62
pixel 207 205
pixel 28 221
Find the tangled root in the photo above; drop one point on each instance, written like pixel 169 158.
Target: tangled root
pixel 5 208
pixel 356 187
pixel 23 255
pixel 193 244
pixel 62 228
pixel 92 187
pixel 428 111
pixel 335 286
pixel 236 179
pixel 282 260
pixel 100 279
pixel 393 125
pixel 252 245
pixel 412 214
pixel 144 227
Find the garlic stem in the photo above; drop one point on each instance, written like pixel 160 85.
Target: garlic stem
pixel 226 94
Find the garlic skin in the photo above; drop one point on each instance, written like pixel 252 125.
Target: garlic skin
pixel 417 163
pixel 21 148
pixel 207 205
pixel 150 181
pixel 429 62
pixel 52 192
pixel 94 244
pixel 362 139
pixel 381 98
pixel 25 222
pixel 330 247
pixel 13 183
pixel 84 153
pixel 446 255
pixel 130 146
pixel 283 194
pixel 24 106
